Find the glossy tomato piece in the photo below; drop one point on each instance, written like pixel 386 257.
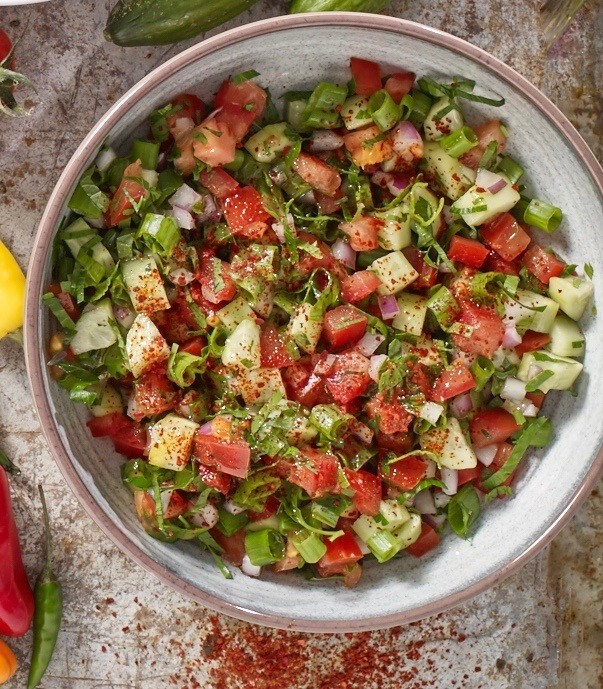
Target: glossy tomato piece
pixel 349 377
pixel 399 443
pixel 492 426
pixel 359 285
pixel 245 214
pixel 468 475
pixel 273 348
pixel 320 477
pixel 453 381
pixel 497 264
pixel 303 385
pixel 109 424
pixel 130 440
pixel 129 190
pixel 367 490
pixel 467 251
pixel 233 546
pixel 213 143
pixel 6 46
pixel 428 275
pixel 531 341
pixel 366 75
pixel 392 416
pixel 487 330
pixel 248 96
pixel 176 507
pixel 153 394
pixel 506 236
pixel 427 541
pixel 232 457
pixel 542 264
pixel 343 326
pixel 318 174
pixel 216 284
pixel 193 346
pixel 342 552
pixel 187 105
pixel 215 479
pixel 270 509
pixel 329 205
pixel 399 84
pixel 405 473
pixel 363 232
pixel 486 132
pixel 219 182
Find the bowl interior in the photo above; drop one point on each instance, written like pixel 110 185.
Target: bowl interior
pixel 295 54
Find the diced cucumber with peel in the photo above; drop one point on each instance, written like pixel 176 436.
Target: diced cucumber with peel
pixel 530 311
pixel 437 127
pixel 572 294
pixel 424 349
pixel 411 318
pixel 354 113
pixel 269 142
pixel 383 545
pixel 145 345
pixel 94 328
pixel 109 402
pixel 259 384
pixel 242 346
pixel 449 446
pixel 564 370
pixel 409 532
pixel 477 207
pixel 394 271
pixel 365 527
pixel 449 174
pixel 567 338
pixel 395 233
pixel 305 331
pixel 145 285
pixel 234 313
pixel 426 204
pixel 393 514
pixel 171 442
pixel 80 233
pixel 294 111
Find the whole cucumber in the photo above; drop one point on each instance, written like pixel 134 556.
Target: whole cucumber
pixel 156 22
pixel 298 6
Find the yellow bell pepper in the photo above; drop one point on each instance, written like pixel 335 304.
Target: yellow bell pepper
pixel 12 292
pixel 8 663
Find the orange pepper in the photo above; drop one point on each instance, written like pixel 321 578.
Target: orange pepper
pixel 8 663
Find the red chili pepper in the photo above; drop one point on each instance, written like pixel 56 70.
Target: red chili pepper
pixel 16 597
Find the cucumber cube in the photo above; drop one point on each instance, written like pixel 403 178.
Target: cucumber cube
pixel 477 207
pixel 145 345
pixel 242 346
pixel 269 142
pixel 449 174
pixel 304 331
pixel 409 532
pixel 145 285
pixel 395 233
pixel 259 384
pixel 450 446
pixel 437 127
pixel 530 311
pixel 564 371
pixel 234 313
pixel 393 514
pixel 394 271
pixel 566 337
pixel 93 329
pixel 572 294
pixel 171 442
pixel 411 318
pixel 355 114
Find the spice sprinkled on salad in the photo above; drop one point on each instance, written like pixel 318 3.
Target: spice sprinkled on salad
pixel 318 338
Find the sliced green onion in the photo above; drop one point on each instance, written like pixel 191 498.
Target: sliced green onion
pixel 124 245
pixel 93 268
pixel 147 152
pixel 264 547
pixel 383 109
pixel 327 96
pixel 230 523
pixel 458 142
pixel 488 157
pixel 59 312
pixel 238 161
pixel 383 545
pixel 482 369
pixel 407 106
pixel 309 546
pixel 245 76
pixel 328 419
pixel 511 169
pixel 432 88
pixel 88 199
pixel 321 119
pixel 328 510
pixel 538 214
pixel 160 232
pixel 421 106
pixel 443 306
pixel 115 171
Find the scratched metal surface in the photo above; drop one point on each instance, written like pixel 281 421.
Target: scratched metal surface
pixel 541 629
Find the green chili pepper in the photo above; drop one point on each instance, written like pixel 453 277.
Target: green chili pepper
pixel 47 617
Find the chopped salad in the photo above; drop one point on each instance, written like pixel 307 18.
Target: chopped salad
pixel 321 337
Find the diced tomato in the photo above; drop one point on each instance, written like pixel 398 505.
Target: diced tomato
pixel 366 75
pixel 213 143
pixel 468 475
pixel 367 147
pixel 130 441
pixel 400 443
pixel 428 540
pixel 392 416
pixel 399 84
pixel 497 264
pixel 153 393
pixel 231 457
pixel 531 341
pixel 542 264
pixel 187 105
pixel 367 491
pixel 66 301
pixel 245 214
pixel 308 263
pixel 467 251
pixel 362 232
pixel 486 132
pixel 215 479
pixel 349 377
pixel 359 285
pixel 487 330
pixel 109 424
pixel 176 507
pixel 329 205
pixel 193 346
pixel 273 349
pixel 129 190
pixel 319 479
pixel 536 398
pixel 233 546
pixel 344 325
pixel 405 473
pixel 492 426
pixel 219 182
pixel 248 96
pixel 237 119
pixel 453 381
pixel 270 509
pixel 341 553
pixel 318 174
pixel 428 275
pixel 506 236
pixel 303 385
pixel 216 284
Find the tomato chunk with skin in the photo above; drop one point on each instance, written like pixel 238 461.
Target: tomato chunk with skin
pixel 486 132
pixel 487 330
pixel 213 143
pixel 405 473
pixel 428 275
pixel 343 325
pixel 428 540
pixel 392 416
pixel 318 174
pixel 359 285
pixel 506 236
pixel 342 552
pixel 367 491
pixel 245 213
pixel 363 232
pixel 129 437
pixel 215 479
pixel 467 251
pixel 233 546
pixel 130 190
pixel 349 377
pixel 399 84
pixel 542 264
pixel 274 352
pixel 219 182
pixel 154 393
pixel 186 105
pixel 531 341
pixel 319 479
pixel 303 385
pixel 453 381
pixel 231 457
pixel 216 284
pixel 492 426
pixel 366 75
pixel 367 147
pixel 497 264
pixel 241 105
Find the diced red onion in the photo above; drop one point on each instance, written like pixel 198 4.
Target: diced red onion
pixel 206 428
pixel 105 158
pixel 279 228
pixel 343 252
pixel 388 306
pixel 461 405
pixel 513 389
pixel 368 343
pixel 364 549
pixel 450 478
pixel 529 409
pixel 210 211
pixel 423 501
pixel 361 431
pixel 207 517
pixel 181 277
pixel 183 218
pixel 279 177
pixel 490 181
pixel 434 520
pixel 308 198
pixel 182 126
pixel 393 182
pixel 486 454
pixel 407 142
pixel 124 316
pixel 250 569
pixel 185 197
pixel 133 410
pixel 431 411
pixel 375 364
pixel 441 500
pixel 511 338
pixel 325 140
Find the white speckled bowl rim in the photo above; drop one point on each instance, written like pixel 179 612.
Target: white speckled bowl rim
pixel 356 617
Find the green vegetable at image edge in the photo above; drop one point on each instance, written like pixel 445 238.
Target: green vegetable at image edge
pixel 158 22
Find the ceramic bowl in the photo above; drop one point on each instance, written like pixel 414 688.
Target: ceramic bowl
pixel 295 52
